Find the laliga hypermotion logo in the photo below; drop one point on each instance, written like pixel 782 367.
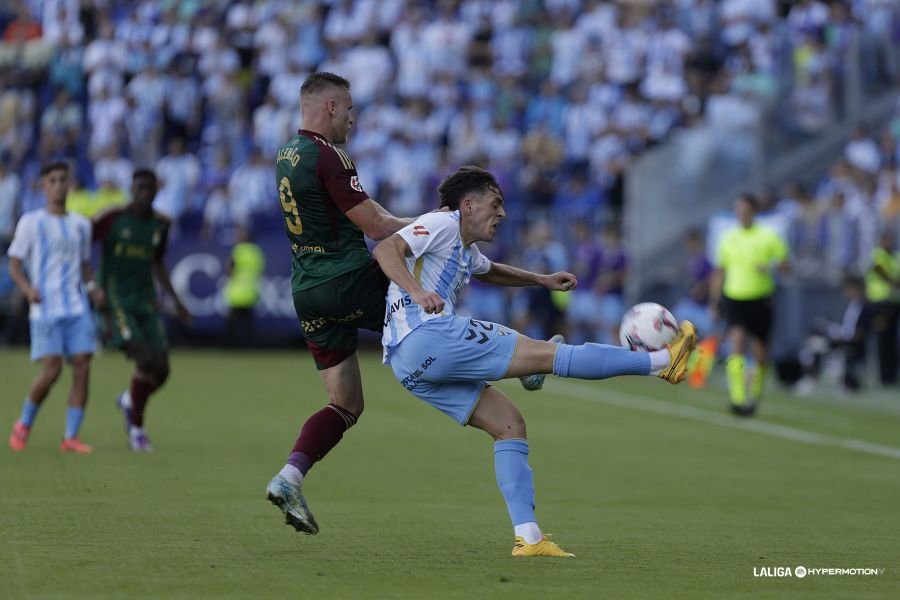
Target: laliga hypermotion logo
pixel 800 571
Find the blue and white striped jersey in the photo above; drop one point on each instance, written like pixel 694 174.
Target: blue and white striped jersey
pixel 440 263
pixel 52 248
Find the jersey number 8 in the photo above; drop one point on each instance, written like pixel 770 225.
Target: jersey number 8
pixel 289 206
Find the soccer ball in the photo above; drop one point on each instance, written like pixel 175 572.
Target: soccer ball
pixel 647 326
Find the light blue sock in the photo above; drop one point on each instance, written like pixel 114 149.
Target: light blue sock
pixel 29 412
pixel 515 479
pixel 599 361
pixel 74 415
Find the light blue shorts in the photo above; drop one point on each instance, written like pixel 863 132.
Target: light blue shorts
pixel 447 362
pixel 66 337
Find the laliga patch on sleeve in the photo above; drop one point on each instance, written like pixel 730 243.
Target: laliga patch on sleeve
pixel 354 183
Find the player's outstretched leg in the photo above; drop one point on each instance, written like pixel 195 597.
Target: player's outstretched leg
pixel 600 361
pixel 532 383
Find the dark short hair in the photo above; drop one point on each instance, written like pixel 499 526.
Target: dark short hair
pixel 466 179
pixel 143 172
pixel 749 199
pixel 56 165
pixel 321 80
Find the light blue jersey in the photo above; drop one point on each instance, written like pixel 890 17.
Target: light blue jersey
pixel 442 358
pixel 52 248
pixel 440 263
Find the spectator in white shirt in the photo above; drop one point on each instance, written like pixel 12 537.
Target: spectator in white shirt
pixel 104 52
pixel 222 216
pixel 61 125
pixel 369 66
pixel 113 167
pixel 106 115
pixel 10 205
pixel 251 186
pixel 569 44
pixel 271 123
pixel 179 173
pixel 862 152
pixel 446 39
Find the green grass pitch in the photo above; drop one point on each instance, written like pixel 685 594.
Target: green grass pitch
pixel 657 491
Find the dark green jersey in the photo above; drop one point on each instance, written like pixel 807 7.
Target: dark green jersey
pixel 317 184
pixel 131 246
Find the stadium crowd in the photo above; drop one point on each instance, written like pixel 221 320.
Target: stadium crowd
pixel 556 97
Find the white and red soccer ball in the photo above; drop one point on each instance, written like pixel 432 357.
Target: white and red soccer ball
pixel 647 326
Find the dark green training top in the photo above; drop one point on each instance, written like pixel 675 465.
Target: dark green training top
pixel 131 246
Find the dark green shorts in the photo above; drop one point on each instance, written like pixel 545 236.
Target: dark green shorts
pixel 332 312
pixel 120 327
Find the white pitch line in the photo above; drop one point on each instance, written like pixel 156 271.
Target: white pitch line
pixel 684 411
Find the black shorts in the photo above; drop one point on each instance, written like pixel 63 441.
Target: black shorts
pixel 753 315
pixel 331 313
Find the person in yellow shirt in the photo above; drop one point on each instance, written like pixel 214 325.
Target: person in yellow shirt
pixel 245 268
pixel 883 291
pixel 742 287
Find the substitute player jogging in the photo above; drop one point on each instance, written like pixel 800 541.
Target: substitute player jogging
pixel 134 239
pixel 337 287
pixel 446 360
pixel 744 283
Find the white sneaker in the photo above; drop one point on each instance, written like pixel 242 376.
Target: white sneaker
pixel 138 440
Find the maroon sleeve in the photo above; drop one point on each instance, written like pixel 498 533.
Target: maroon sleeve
pixel 102 223
pixel 338 175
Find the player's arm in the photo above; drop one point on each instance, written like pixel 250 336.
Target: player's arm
pixel 165 282
pixel 19 250
pixel 97 295
pixel 18 275
pixel 391 255
pixel 338 175
pixel 161 273
pixel 375 220
pixel 507 276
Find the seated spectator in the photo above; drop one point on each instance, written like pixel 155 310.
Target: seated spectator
pixel 846 341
